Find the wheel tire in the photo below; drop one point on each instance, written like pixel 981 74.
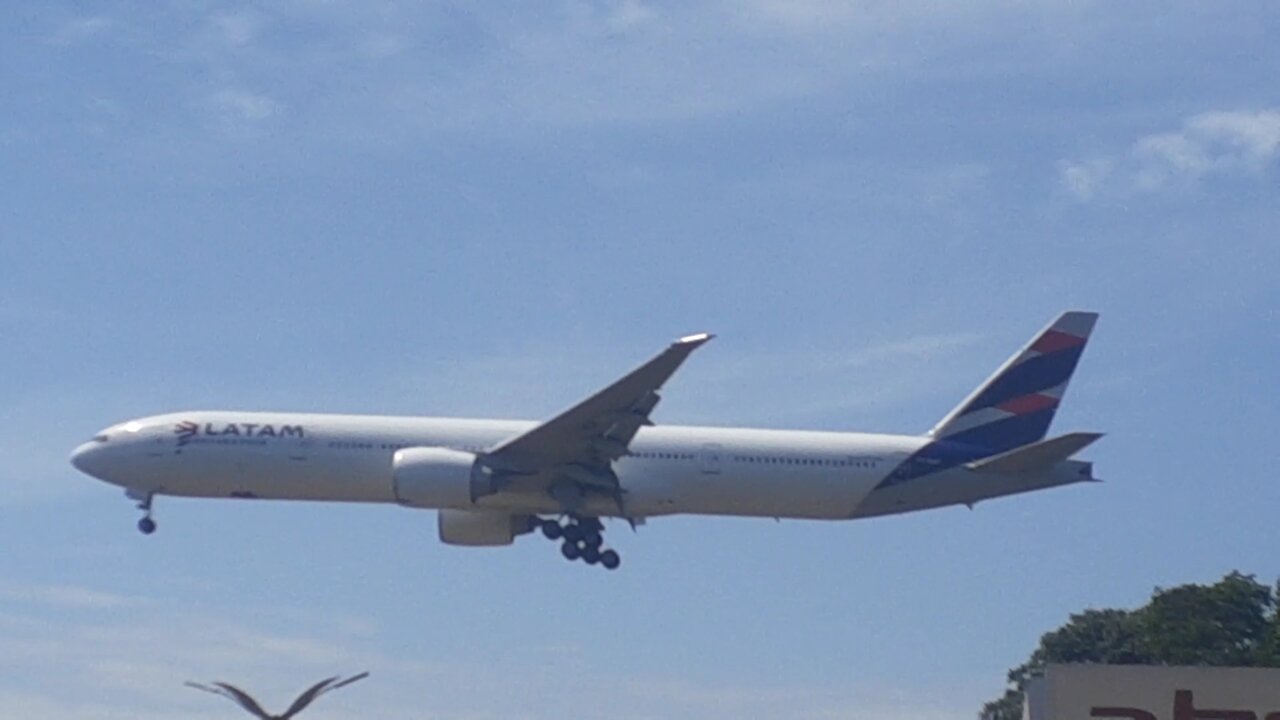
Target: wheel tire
pixel 590 555
pixel 551 530
pixel 570 551
pixel 146 526
pixel 610 560
pixel 593 538
pixel 572 533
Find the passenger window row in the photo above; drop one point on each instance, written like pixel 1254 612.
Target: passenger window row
pixel 813 462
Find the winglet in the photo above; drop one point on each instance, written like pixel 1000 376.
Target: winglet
pixel 694 340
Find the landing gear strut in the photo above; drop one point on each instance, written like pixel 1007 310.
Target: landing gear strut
pixel 146 525
pixel 581 538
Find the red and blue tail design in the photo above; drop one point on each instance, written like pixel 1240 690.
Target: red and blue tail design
pixel 1015 406
pixel 1012 408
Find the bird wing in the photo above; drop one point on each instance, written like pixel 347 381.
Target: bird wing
pixel 243 699
pixel 348 681
pixel 307 697
pixel 315 691
pixel 232 693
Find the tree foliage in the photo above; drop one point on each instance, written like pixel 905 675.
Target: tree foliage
pixel 1233 622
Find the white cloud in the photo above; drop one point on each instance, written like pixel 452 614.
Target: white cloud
pixel 1085 178
pixel 572 63
pixel 624 62
pixel 1216 142
pixel 1209 144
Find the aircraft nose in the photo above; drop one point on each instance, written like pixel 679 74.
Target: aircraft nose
pixel 88 459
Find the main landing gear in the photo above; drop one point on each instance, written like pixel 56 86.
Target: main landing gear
pixel 581 539
pixel 146 525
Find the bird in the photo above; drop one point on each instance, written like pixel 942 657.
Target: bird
pixel 308 696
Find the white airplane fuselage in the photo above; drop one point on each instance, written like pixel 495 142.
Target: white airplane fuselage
pixel 492 480
pixel 668 469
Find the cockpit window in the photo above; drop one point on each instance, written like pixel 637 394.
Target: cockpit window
pixel 100 438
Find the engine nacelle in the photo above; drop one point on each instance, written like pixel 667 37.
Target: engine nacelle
pixel 433 477
pixel 481 527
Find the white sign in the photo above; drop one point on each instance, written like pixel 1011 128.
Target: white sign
pixel 1141 692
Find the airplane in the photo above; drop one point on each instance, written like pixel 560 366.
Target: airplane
pixel 604 458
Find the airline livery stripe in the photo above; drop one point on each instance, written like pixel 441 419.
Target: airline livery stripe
pixel 1053 341
pixel 1056 392
pixel 1028 404
pixel 1011 432
pixel 1033 376
pixel 973 419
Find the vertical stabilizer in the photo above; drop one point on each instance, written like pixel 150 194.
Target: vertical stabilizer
pixel 1015 405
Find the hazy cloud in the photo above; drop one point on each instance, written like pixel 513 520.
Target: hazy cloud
pixel 64 596
pixel 1213 143
pixel 1085 178
pixel 242 105
pixel 792 385
pixel 238 28
pixel 631 14
pixel 80 29
pixel 809 385
pixel 127 657
pixel 118 662
pixel 627 62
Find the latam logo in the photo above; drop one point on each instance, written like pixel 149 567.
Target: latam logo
pixel 187 430
pixel 1184 708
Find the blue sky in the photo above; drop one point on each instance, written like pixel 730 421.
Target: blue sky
pixel 428 208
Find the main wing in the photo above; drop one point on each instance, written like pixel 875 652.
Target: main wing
pixel 580 444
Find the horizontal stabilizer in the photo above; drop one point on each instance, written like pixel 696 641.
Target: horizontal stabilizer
pixel 1037 456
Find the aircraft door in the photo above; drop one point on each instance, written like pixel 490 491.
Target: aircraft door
pixel 710 458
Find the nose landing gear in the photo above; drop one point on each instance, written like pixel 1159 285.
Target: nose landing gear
pixel 581 539
pixel 146 525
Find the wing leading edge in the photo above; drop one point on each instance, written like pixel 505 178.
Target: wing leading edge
pixel 579 445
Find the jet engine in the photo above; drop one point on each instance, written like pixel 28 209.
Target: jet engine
pixel 433 477
pixel 483 527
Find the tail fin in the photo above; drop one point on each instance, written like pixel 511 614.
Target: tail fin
pixel 1015 405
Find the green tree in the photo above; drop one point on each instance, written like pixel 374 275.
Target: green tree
pixel 1222 624
pixel 1232 622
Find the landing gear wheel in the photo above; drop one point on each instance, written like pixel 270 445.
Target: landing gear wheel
pixel 590 555
pixel 610 560
pixel 573 532
pixel 552 530
pixel 146 525
pixel 570 550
